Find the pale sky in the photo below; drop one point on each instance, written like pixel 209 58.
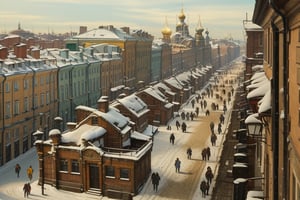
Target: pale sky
pixel 222 18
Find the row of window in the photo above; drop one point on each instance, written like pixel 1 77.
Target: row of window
pixel 14 134
pixel 26 83
pixel 79 73
pixel 79 89
pixel 109 170
pixel 26 107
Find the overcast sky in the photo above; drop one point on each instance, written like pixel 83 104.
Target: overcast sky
pixel 222 18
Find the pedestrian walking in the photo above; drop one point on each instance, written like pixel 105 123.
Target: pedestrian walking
pixel 193 103
pixel 212 127
pixel 203 188
pixel 197 111
pixel 209 175
pixel 219 128
pixel 189 153
pixel 153 180
pixel 208 153
pixel 224 109
pixel 177 165
pixel 182 116
pixel 26 189
pixel 207 187
pixel 207 112
pixel 172 138
pixel 183 127
pixel 222 118
pixel 187 116
pixel 18 169
pixel 213 139
pixel 157 179
pixel 192 115
pixel 29 172
pixel 203 153
pixel 177 124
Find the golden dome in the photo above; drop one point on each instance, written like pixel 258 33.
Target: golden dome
pixel 181 15
pixel 166 31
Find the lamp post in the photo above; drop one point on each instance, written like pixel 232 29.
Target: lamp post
pixel 254 125
pixel 39 140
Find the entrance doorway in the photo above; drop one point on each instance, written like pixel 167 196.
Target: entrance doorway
pixel 94 176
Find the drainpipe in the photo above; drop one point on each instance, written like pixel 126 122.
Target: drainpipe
pixel 285 96
pixel 275 107
pixel 3 117
pixel 33 102
pixel 71 93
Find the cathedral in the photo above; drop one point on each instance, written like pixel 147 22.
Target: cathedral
pixel 182 34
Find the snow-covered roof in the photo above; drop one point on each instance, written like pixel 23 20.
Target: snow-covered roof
pixel 265 103
pixel 252 119
pixel 169 105
pixel 164 87
pixel 156 94
pixel 184 77
pixel 258 82
pixel 257 75
pixel 250 26
pixel 83 132
pixel 104 32
pixel 174 82
pixel 134 104
pixel 113 116
pixel 140 136
pixel 259 91
pixel 257 67
pixel 54 132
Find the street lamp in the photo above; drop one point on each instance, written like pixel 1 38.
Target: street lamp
pixel 254 125
pixel 39 143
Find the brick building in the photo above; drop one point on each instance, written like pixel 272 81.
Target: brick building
pixel 99 153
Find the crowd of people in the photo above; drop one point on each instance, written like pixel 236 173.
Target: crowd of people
pixel 200 103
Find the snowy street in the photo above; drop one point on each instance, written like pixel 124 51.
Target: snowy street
pixel 172 185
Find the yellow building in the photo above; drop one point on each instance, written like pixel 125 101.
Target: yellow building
pixel 28 98
pixel 280 21
pixel 113 36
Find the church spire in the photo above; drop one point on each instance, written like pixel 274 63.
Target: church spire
pixel 199 26
pixel 166 31
pixel 200 41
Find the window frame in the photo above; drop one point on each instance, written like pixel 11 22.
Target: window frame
pixel 124 171
pixel 110 171
pixel 63 165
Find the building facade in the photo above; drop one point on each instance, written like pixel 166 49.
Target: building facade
pixel 280 23
pixel 100 153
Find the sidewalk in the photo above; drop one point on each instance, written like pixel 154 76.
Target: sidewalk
pixel 224 187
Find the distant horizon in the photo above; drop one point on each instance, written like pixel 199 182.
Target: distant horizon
pixel 222 18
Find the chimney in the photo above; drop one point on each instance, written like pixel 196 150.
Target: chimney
pixel 35 53
pixel 82 29
pixel 126 29
pixel 55 136
pixel 71 125
pixel 3 52
pixel 20 50
pixel 103 104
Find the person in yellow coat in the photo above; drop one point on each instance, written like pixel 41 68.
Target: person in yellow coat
pixel 29 172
